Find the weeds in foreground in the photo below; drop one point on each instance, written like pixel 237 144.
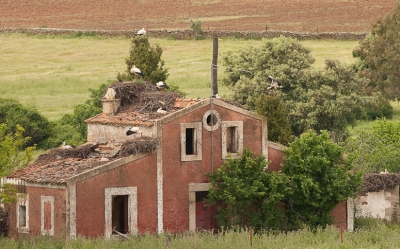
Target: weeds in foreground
pixel 370 233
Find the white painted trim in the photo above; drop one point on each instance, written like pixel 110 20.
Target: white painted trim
pixel 44 199
pixel 225 125
pixel 193 188
pixel 132 208
pixel 160 190
pixel 350 214
pixel 23 200
pixel 215 126
pixel 16 181
pixel 72 210
pixel 198 133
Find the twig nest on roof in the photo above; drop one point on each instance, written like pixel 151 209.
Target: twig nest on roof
pixel 373 182
pixel 140 145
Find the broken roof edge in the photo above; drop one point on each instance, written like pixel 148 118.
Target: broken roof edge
pixel 107 167
pixel 28 183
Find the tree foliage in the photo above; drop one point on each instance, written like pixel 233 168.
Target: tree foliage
pixel 36 126
pixel 274 108
pixel 250 193
pixel 147 58
pixel 380 57
pixel 331 100
pixel 319 176
pixel 328 99
pixel 283 58
pixel 376 149
pixel 14 154
pixel 72 128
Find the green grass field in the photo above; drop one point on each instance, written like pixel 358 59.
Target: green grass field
pixel 375 235
pixel 54 73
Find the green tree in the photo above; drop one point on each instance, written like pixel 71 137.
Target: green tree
pixel 332 100
pixel 14 154
pixel 274 108
pixel 376 149
pixel 320 178
pixel 147 58
pixel 380 55
pixel 71 127
pixel 328 99
pixel 36 126
pixel 283 58
pixel 250 194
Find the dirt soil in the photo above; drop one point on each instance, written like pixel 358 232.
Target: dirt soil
pixel 238 15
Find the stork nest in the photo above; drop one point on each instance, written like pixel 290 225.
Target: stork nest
pixel 143 97
pixel 139 145
pixel 55 154
pixel 373 182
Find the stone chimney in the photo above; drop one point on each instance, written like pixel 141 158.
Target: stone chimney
pixel 110 103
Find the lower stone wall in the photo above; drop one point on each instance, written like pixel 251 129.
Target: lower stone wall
pixel 190 34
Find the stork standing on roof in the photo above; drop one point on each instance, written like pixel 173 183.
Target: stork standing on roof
pixel 142 32
pixel 136 71
pixel 162 85
pixel 274 83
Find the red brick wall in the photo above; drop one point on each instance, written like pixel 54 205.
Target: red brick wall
pixel 35 194
pixel 178 174
pixel 339 214
pixel 275 156
pixel 90 196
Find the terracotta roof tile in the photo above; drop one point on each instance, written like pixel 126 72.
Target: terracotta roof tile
pixel 57 172
pixel 121 119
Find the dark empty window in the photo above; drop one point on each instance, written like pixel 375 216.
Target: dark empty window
pixel 201 195
pixel 120 213
pixel 212 120
pixel 231 139
pixel 190 141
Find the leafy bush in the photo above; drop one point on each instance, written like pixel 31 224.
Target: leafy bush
pixel 320 178
pixel 36 126
pixel 250 193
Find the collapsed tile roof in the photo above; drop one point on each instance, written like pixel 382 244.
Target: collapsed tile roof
pixel 139 104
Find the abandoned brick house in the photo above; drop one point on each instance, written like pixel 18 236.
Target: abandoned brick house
pixel 151 181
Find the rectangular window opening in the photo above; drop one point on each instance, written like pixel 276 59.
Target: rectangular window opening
pixel 201 195
pixel 191 141
pixel 22 216
pixel 120 214
pixel 232 139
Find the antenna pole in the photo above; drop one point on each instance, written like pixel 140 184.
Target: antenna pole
pixel 214 66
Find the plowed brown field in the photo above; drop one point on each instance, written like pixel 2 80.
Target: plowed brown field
pixel 239 15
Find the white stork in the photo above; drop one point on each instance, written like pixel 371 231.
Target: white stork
pixel 142 32
pixel 162 85
pixel 162 110
pixel 63 146
pixel 133 130
pixel 274 83
pixel 136 71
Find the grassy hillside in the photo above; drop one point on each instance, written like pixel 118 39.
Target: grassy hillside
pixel 55 73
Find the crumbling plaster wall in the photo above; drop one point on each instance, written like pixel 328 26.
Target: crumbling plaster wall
pixel 383 204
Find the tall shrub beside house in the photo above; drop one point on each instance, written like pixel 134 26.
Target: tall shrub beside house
pixel 250 193
pixel 320 177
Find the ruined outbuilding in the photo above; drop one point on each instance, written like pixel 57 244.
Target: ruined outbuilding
pixel 379 197
pixel 153 180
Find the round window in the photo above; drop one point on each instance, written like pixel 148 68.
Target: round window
pixel 211 120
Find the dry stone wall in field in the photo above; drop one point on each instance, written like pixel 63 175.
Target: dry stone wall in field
pixel 190 34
